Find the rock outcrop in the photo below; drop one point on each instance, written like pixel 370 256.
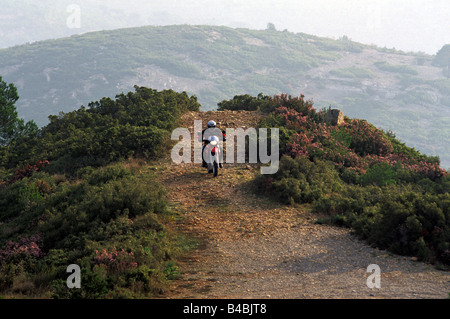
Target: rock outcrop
pixel 334 117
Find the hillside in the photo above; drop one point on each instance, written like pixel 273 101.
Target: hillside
pixel 78 192
pixel 398 91
pixel 253 247
pixel 97 187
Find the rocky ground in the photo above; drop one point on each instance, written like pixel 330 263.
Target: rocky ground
pixel 252 247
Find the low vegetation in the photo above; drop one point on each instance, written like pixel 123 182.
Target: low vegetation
pixel 78 192
pixel 361 177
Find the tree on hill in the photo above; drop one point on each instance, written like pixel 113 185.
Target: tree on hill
pixel 11 126
pixel 442 59
pixel 271 27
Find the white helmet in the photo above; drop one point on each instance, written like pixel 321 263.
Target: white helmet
pixel 214 140
pixel 211 124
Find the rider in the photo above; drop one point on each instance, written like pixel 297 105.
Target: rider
pixel 211 130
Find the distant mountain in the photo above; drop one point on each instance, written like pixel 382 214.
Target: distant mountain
pixel 403 92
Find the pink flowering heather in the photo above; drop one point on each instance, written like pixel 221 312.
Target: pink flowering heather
pixel 355 144
pixel 116 260
pixel 297 103
pixel 27 170
pixel 25 247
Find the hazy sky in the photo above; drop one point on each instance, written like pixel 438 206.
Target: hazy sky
pixel 409 25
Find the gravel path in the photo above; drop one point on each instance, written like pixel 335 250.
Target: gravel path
pixel 252 247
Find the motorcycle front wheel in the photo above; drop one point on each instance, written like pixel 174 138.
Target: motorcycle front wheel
pixel 215 169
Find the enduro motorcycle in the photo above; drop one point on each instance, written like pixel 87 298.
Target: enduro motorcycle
pixel 212 154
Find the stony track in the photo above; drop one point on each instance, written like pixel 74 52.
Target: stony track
pixel 252 247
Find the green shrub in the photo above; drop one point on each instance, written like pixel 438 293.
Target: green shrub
pixel 111 207
pixel 397 217
pixel 407 223
pixel 244 102
pixel 77 209
pixel 391 195
pixel 94 285
pixel 401 69
pixel 87 206
pixel 134 124
pixel 352 73
pixel 380 174
pixel 302 181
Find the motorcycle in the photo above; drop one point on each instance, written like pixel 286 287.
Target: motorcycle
pixel 212 154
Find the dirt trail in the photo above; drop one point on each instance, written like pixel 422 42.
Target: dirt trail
pixel 252 247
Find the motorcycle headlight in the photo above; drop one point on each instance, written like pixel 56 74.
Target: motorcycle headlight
pixel 213 143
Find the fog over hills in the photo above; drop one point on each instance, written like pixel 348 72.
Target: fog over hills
pixel 408 25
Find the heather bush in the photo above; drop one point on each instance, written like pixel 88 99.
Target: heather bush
pixel 111 220
pixel 302 181
pixel 69 187
pixel 361 177
pixel 23 249
pixel 10 202
pixel 408 223
pixel 367 139
pixel 18 259
pixel 268 104
pixel 134 124
pixel 379 174
pixel 94 285
pixel 244 102
pixel 83 208
pixel 115 261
